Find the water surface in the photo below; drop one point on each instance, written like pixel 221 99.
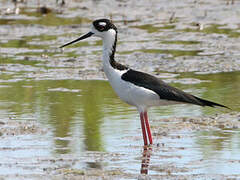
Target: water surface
pixel 83 116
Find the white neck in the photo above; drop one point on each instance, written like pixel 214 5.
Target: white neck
pixel 108 43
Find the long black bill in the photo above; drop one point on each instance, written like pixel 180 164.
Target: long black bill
pixel 78 39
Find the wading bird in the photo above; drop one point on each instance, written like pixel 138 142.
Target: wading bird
pixel 134 87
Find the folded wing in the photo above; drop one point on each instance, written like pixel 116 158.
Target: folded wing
pixel 165 91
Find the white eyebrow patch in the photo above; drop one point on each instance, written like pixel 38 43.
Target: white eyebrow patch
pixel 102 23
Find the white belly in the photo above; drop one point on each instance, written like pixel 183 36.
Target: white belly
pixel 134 95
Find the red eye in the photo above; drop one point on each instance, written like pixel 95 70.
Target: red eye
pixel 100 27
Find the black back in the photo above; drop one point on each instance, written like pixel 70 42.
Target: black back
pixel 165 91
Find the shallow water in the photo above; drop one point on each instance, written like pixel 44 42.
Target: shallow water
pixel 87 125
pixel 86 116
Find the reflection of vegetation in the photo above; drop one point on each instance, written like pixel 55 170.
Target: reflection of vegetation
pixel 212 142
pixel 60 109
pixel 173 52
pixel 21 44
pixel 13 61
pixel 50 19
pixel 180 42
pixel 30 53
pixel 92 116
pixel 213 139
pixel 19 100
pixel 41 37
pixel 150 28
pixel 67 112
pixel 222 88
pixel 216 28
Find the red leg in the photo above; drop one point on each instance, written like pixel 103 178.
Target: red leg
pixel 143 129
pixel 148 127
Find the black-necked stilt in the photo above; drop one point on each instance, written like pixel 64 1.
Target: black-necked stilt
pixel 134 87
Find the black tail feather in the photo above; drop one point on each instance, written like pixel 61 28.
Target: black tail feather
pixel 210 103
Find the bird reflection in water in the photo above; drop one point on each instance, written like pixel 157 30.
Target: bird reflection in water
pixel 146 155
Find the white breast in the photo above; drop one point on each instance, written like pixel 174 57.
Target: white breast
pixel 134 95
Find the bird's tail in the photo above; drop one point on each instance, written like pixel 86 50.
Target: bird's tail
pixel 210 103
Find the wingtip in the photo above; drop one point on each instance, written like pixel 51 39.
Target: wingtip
pixel 220 105
pixel 211 104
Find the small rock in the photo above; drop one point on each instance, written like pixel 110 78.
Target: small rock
pixel 44 10
pixel 221 126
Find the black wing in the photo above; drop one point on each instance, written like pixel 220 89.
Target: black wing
pixel 164 90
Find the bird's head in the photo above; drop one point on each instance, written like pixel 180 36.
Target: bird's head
pixel 102 28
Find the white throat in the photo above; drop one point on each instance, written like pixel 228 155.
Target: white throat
pixel 108 43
